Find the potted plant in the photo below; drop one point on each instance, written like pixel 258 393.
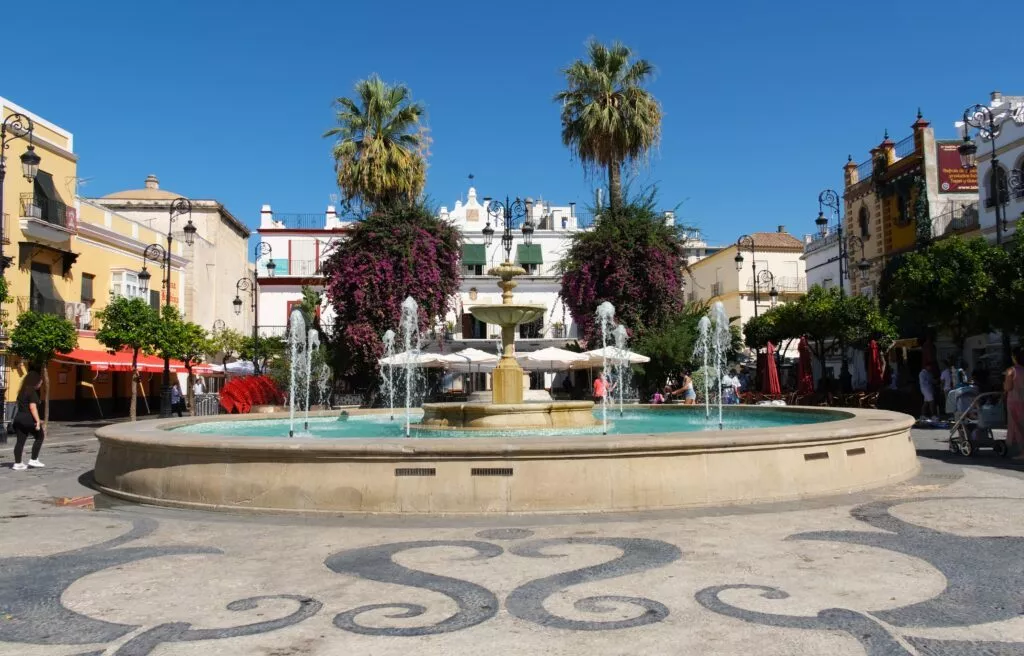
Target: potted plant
pixel 558 330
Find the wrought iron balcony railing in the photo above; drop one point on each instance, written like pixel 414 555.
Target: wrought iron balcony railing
pixel 54 212
pixel 958 219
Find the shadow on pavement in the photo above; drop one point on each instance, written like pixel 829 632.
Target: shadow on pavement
pixel 982 458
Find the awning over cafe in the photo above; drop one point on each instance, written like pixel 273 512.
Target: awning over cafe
pixel 473 254
pixel 122 361
pixel 529 254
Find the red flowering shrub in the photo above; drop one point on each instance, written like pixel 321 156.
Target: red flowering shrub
pixel 400 252
pixel 631 259
pixel 242 393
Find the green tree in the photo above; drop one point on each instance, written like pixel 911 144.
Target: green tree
pixel 943 286
pixel 129 323
pixel 922 216
pixel 380 148
pixel 225 344
pixel 1005 307
pixel 633 260
pixel 262 351
pixel 608 118
pixel 185 341
pixel 37 339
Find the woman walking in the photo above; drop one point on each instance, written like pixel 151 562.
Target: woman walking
pixel 26 422
pixel 1013 386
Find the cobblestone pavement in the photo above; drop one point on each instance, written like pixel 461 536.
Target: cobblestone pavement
pixel 931 566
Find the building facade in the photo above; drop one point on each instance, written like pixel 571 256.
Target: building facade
pixel 881 199
pixel 716 278
pixel 218 258
pixel 71 256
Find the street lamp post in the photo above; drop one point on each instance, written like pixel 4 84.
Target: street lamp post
pixel 767 278
pixel 831 199
pixel 162 254
pixel 12 127
pixel 988 126
pixel 508 213
pixel 746 241
pixel 251 285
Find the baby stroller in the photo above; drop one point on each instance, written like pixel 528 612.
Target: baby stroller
pixel 975 415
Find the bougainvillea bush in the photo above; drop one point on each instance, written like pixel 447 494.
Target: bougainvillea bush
pixel 632 259
pixel 392 254
pixel 240 394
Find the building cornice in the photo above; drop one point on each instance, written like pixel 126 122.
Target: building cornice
pixel 95 233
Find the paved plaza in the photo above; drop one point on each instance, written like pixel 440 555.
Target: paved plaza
pixel 931 566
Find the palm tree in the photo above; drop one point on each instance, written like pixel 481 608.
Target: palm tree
pixel 381 145
pixel 608 118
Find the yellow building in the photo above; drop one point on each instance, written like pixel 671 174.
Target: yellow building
pixel 71 257
pixel 881 198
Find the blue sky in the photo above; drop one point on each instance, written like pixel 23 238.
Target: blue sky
pixel 762 101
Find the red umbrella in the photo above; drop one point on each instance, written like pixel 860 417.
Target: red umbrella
pixel 771 373
pixel 804 370
pixel 876 368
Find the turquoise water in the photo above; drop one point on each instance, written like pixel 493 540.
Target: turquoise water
pixel 633 421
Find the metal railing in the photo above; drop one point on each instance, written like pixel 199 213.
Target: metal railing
pixel 905 147
pixel 286 267
pixel 958 219
pixel 782 284
pixel 282 331
pixel 79 314
pixel 864 170
pixel 206 405
pixel 300 221
pixel 716 289
pixel 7 229
pixel 54 212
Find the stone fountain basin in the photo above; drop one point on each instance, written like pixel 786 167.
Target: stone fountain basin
pixel 508 315
pixel 556 414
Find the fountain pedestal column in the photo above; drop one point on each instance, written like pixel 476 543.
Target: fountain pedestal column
pixel 507 378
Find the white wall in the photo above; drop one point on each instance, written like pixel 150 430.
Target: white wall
pixel 1010 152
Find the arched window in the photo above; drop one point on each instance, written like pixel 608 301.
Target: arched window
pixel 864 219
pixel 997 188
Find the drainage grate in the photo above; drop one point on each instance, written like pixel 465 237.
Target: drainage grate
pixel 416 471
pixel 856 452
pixel 820 455
pixel 490 471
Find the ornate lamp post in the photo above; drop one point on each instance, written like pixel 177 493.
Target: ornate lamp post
pixel 767 278
pixel 12 127
pixel 157 253
pixel 507 214
pixel 747 242
pixel 981 118
pixel 251 285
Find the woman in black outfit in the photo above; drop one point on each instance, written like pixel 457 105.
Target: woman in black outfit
pixel 26 421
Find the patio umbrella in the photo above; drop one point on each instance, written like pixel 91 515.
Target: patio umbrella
pixel 876 368
pixel 804 369
pixel 771 372
pixel 550 359
pixel 470 360
pixel 597 357
pixel 413 358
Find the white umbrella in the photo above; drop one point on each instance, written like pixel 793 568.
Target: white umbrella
pixel 413 358
pixel 597 357
pixel 550 359
pixel 470 359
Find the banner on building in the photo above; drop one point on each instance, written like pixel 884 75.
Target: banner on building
pixel 953 177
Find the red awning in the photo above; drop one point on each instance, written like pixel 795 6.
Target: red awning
pixel 122 361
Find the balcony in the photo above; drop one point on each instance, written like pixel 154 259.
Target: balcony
pixel 47 220
pixel 784 285
pixel 6 228
pixel 79 314
pixel 285 267
pixel 716 289
pixel 905 147
pixel 957 220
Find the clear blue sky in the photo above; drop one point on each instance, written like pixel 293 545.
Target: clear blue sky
pixel 762 101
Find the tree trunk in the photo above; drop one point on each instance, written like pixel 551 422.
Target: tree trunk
pixel 614 186
pixel 46 396
pixel 135 384
pixel 190 393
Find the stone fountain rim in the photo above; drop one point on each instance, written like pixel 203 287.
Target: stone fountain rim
pixel 855 424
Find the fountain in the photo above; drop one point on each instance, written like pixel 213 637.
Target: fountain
pixel 621 364
pixel 721 339
pixel 410 325
pixel 312 344
pixel 605 315
pixel 388 380
pixel 507 409
pixel 323 384
pixel 296 344
pixel 701 350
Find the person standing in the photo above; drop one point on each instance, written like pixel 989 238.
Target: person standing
pixel 1013 386
pixel 198 388
pixel 26 422
pixel 177 403
pixel 926 383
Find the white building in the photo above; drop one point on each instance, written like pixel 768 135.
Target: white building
pixel 821 260
pixel 217 259
pixel 1008 112
pixel 716 277
pixel 298 246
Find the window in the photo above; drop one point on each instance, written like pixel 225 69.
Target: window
pixel 531 269
pixel 87 280
pixel 473 328
pixel 532 330
pixel 154 299
pixel 864 219
pixel 473 269
pixel 125 283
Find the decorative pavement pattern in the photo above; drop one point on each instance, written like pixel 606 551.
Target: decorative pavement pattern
pixel 934 566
